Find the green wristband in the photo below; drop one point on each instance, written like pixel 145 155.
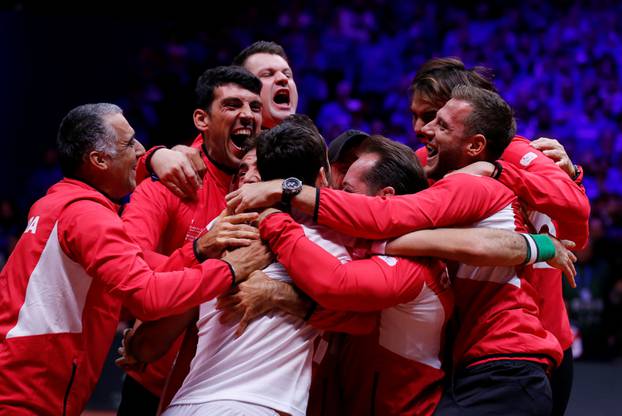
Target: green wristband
pixel 546 248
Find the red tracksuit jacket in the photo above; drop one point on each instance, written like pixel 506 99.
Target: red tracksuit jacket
pixel 61 292
pixel 404 357
pixel 163 224
pixel 547 193
pixel 496 307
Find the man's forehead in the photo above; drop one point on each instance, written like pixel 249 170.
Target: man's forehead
pixel 234 90
pixel 455 109
pixel 262 60
pixel 422 100
pixel 120 125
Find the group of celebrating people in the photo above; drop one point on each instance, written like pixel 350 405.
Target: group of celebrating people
pixel 272 274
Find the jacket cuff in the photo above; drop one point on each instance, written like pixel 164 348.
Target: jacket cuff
pixel 150 154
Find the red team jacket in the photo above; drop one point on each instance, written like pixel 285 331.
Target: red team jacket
pixel 553 200
pixel 496 305
pixel 404 356
pixel 162 223
pixel 61 292
pixel 547 193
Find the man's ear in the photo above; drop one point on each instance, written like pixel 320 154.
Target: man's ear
pixel 98 160
pixel 201 119
pixel 386 191
pixel 476 146
pixel 321 181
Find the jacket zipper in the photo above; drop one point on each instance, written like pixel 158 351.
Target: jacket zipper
pixel 74 368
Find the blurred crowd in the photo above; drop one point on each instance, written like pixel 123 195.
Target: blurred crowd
pixel 559 64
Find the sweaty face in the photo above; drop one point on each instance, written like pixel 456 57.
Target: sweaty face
pixel 446 139
pixel 248 172
pixel 235 115
pixel 121 174
pixel 354 179
pixel 278 93
pixel 423 111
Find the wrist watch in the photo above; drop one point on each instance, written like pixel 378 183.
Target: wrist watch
pixel 291 187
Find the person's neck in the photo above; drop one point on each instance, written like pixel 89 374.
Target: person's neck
pixel 221 166
pixel 99 186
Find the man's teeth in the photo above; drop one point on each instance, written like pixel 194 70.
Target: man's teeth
pixel 242 132
pixel 431 150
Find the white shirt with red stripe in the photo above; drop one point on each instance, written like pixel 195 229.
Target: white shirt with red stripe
pixel 269 364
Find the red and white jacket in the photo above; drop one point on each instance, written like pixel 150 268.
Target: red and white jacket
pixel 496 306
pixel 404 357
pixel 61 292
pixel 163 224
pixel 553 200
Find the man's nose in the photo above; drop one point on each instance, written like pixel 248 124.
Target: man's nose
pixel 427 131
pixel 418 127
pixel 281 78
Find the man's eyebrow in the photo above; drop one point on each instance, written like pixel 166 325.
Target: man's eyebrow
pixel 231 100
pixel 129 140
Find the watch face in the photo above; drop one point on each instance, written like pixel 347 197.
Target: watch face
pixel 292 184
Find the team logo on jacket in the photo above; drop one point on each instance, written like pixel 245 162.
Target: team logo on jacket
pixel 528 158
pixel 391 261
pixel 32 225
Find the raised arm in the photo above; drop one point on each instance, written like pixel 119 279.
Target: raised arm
pixel 260 295
pixel 555 151
pixel 545 187
pixel 180 169
pixel 360 285
pixel 474 246
pixel 379 217
pixel 94 237
pixel 483 247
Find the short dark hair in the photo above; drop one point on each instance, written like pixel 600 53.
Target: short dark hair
pixel 439 76
pixel 222 75
pixel 397 166
pixel 249 144
pixel 261 46
pixel 83 130
pixel 490 116
pixel 294 147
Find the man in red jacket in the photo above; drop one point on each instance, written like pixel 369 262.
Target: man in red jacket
pixel 500 334
pixel 175 207
pixel 227 114
pixel 62 289
pixel 181 168
pixel 554 198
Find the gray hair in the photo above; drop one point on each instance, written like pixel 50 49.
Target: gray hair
pixel 83 130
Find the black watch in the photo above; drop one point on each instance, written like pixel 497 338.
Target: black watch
pixel 291 188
